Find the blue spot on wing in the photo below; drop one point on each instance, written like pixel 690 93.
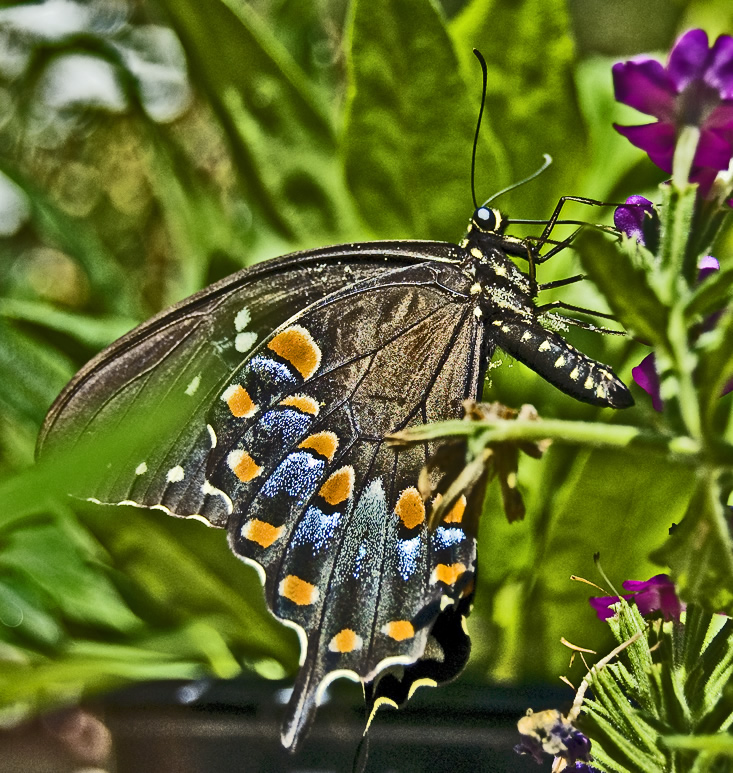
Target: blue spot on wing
pixel 446 538
pixel 266 378
pixel 317 529
pixel 297 476
pixel 408 551
pixel 280 427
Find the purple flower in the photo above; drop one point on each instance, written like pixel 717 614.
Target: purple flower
pixel 694 89
pixel 654 595
pixel 638 219
pixel 646 376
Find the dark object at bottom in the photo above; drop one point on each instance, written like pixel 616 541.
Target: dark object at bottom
pixel 232 727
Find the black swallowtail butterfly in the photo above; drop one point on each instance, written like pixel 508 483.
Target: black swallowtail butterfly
pixel 288 376
pixel 284 380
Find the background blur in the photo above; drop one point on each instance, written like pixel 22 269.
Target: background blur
pixel 150 147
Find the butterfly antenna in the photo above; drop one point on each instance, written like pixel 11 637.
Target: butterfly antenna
pixel 482 62
pixel 547 161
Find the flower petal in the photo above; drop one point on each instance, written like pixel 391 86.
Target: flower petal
pixel 707 265
pixel 712 151
pixel 657 139
pixel 656 595
pixel 689 59
pixel 640 585
pixel 645 375
pixel 602 605
pixel 719 74
pixel 643 84
pixel 721 117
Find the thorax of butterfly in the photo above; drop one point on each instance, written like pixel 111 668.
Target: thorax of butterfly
pixel 284 382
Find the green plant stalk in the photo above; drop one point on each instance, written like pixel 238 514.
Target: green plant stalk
pixel 596 435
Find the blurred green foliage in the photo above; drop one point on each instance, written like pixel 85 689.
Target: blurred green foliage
pixel 303 125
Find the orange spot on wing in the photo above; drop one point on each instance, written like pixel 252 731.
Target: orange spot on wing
pixel 339 486
pixel 455 514
pixel 243 465
pixel 296 345
pixel 447 573
pixel 261 532
pixel 399 630
pixel 240 403
pixel 345 640
pixel 303 403
pixel 410 508
pixel 323 443
pixel 298 591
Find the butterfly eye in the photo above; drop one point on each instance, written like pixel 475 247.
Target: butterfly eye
pixel 487 220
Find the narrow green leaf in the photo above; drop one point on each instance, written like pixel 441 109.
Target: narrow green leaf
pixel 700 551
pixel 410 122
pixel 624 285
pixel 715 368
pixel 83 594
pixel 278 128
pixel 622 752
pixel 94 332
pixel 34 371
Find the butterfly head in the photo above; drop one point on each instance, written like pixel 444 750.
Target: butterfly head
pixel 487 220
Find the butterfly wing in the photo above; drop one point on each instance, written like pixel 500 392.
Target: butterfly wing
pixel 291 458
pixel 172 367
pixel 329 511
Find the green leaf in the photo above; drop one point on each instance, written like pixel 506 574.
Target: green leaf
pixel 715 369
pixel 700 551
pixel 34 371
pixel 200 579
pixel 278 128
pixel 625 286
pixel 94 332
pixel 532 105
pixel 46 557
pixel 409 122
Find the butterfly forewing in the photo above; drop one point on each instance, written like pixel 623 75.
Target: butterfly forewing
pixel 149 393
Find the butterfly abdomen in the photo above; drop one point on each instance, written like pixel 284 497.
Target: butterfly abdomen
pixel 553 358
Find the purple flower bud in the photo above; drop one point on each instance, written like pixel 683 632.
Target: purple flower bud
pixel 632 218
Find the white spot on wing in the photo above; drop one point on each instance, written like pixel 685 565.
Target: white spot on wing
pixel 245 341
pixel 141 469
pixel 175 474
pixel 242 319
pixel 193 386
pixel 212 435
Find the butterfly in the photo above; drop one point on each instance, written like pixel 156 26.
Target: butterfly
pixel 284 381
